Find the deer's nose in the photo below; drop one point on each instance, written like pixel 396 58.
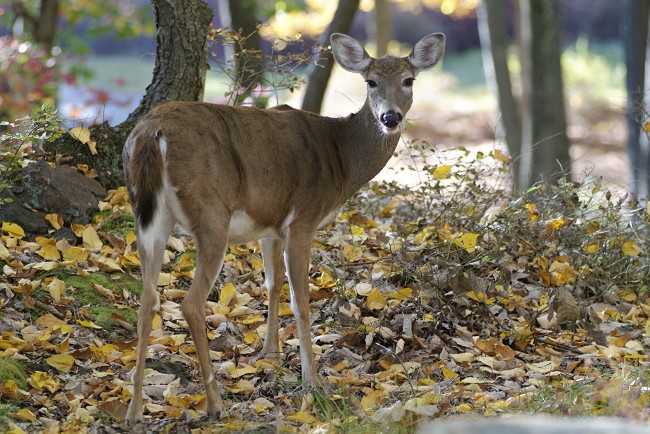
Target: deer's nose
pixel 391 119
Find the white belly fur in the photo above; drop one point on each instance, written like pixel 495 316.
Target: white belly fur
pixel 243 229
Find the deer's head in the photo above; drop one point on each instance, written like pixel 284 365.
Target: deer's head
pixel 390 79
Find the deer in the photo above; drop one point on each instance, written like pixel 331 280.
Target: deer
pixel 229 175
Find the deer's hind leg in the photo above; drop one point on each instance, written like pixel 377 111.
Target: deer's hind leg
pixel 151 248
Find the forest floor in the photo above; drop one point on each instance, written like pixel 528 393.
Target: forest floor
pixel 450 297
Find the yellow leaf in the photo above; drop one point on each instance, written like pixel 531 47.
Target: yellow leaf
pixel 325 280
pixel 501 156
pixel 88 324
pixel 469 241
pixel 480 296
pixel 646 129
pixel 49 251
pixel 251 338
pixel 240 372
pixel 253 319
pixel 62 362
pixel 156 323
pixel 301 417
pixel 49 320
pixel 631 248
pixel 448 373
pixel 56 288
pixel 531 208
pixel 81 134
pixel 442 172
pixel 373 400
pixel 242 386
pixel 91 240
pixel 92 145
pixel 130 238
pixel 75 254
pixel 376 300
pixel 55 220
pixel 590 248
pixel 403 294
pixel 130 259
pixel 42 380
pixel 228 294
pixel 13 230
pixel 25 415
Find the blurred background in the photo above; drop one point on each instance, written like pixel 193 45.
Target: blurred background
pixel 94 61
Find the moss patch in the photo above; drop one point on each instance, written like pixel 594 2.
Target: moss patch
pixel 102 310
pixel 13 370
pixel 120 224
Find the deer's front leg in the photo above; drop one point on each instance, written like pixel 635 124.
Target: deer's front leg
pixel 296 258
pixel 274 278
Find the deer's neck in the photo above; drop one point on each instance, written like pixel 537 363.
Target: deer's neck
pixel 368 148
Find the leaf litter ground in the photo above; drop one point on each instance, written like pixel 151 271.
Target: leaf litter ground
pixel 447 297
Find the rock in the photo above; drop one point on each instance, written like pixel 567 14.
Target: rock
pixel 32 222
pixel 62 190
pixel 44 189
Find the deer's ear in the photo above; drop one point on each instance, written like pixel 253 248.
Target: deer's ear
pixel 349 53
pixel 427 52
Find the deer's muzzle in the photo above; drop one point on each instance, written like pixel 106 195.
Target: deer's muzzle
pixel 391 119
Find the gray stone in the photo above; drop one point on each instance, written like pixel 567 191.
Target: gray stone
pixel 44 189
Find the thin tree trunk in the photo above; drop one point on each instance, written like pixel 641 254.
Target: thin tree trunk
pixel 382 26
pixel 635 37
pixel 45 30
pixel 321 71
pixel 545 144
pixel 249 65
pixel 494 43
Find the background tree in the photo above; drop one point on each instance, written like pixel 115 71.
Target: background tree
pixel 540 146
pixel 635 39
pixel 322 69
pixel 494 46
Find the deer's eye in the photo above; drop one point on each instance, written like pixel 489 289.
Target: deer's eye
pixel 371 83
pixel 408 82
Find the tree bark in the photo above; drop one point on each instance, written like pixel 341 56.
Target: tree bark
pixel 545 144
pixel 494 47
pixel 635 37
pixel 320 72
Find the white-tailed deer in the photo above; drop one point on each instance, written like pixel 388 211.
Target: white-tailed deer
pixel 229 175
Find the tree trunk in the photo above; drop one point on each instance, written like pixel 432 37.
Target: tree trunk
pixel 381 28
pixel 181 55
pixel 494 47
pixel 320 72
pixel 545 145
pixel 179 74
pixel 635 37
pixel 45 30
pixel 248 63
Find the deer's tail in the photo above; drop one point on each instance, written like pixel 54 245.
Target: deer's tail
pixel 143 171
